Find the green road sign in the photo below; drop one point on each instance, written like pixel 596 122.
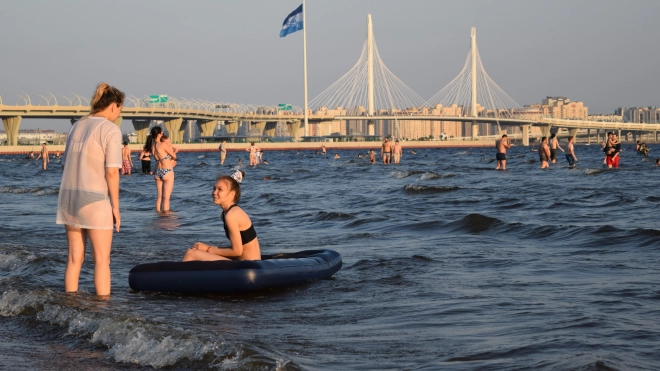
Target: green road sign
pixel 284 107
pixel 158 99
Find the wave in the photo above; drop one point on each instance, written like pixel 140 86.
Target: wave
pixel 37 191
pixel 15 259
pixel 595 171
pixel 323 216
pixel 400 174
pixel 475 223
pixel 431 175
pixel 413 188
pixel 132 339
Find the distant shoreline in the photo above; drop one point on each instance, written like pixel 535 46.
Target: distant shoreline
pixel 284 146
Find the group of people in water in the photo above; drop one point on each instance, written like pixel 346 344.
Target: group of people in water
pixel 88 200
pixel 547 150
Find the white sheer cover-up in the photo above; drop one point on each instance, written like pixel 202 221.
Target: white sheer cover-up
pixel 93 144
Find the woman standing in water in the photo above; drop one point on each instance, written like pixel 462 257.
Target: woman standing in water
pixel 88 201
pixel 145 157
pixel 164 174
pixel 237 224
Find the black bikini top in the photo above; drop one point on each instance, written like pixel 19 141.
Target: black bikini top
pixel 246 236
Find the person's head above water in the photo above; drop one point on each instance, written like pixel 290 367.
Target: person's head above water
pixel 226 189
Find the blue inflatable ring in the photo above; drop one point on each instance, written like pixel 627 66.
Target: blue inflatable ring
pixel 227 276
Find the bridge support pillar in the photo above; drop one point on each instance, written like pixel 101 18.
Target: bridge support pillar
pixel 525 134
pixel 206 127
pixel 141 128
pixel 573 133
pixel 545 131
pixel 294 129
pixel 618 134
pixel 370 128
pixel 655 136
pixel 270 128
pixel 588 136
pixel 11 125
pixel 475 130
pixel 260 125
pixel 231 127
pixel 175 128
pixel 118 121
pixel 74 120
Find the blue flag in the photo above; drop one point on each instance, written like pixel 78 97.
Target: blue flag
pixel 292 23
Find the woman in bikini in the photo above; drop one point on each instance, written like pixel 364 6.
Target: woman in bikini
pixel 164 174
pixel 145 157
pixel 237 224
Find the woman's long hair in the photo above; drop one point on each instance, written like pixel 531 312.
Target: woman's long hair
pixel 151 138
pixel 104 96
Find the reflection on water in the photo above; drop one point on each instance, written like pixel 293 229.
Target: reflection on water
pixel 166 220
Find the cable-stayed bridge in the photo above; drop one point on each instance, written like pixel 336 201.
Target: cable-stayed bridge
pixel 369 92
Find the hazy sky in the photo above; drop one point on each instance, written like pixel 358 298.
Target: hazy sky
pixel 602 52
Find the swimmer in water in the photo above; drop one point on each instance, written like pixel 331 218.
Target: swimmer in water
pixel 372 156
pixel 336 155
pixel 544 153
pixel 45 158
pixel 413 152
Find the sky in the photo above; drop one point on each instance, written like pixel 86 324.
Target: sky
pixel 602 52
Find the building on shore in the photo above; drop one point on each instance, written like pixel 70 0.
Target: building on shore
pixel 35 137
pixel 558 108
pixel 636 115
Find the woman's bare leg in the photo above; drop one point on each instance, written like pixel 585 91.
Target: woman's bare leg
pixel 76 238
pixel 168 186
pixel 194 254
pixel 101 245
pixel 159 193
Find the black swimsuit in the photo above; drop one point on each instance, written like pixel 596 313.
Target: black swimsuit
pixel 246 236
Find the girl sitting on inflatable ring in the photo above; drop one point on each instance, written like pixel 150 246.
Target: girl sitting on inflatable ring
pixel 238 226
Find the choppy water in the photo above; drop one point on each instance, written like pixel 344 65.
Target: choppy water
pixel 447 265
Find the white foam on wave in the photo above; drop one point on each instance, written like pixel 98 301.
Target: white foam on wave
pixel 16 259
pixel 129 338
pixel 38 191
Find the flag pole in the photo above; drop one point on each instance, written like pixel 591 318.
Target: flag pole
pixel 305 63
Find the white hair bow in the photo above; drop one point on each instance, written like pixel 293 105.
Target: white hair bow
pixel 237 176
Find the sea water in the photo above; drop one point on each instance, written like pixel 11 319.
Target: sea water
pixel 448 264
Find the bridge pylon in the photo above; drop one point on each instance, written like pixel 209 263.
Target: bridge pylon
pixel 294 128
pixel 175 128
pixel 11 125
pixel 141 128
pixel 232 127
pixel 206 127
